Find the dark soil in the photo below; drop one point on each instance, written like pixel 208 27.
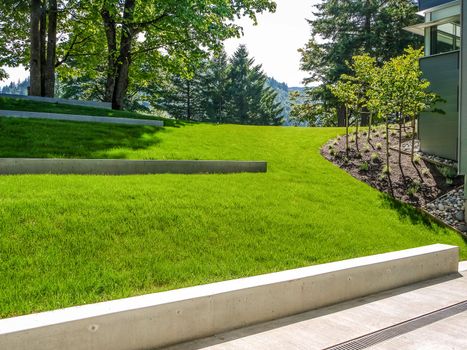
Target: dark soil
pixel 417 184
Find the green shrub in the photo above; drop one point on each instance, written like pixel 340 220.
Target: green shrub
pixel 364 166
pixel 447 171
pixel 413 189
pixel 386 170
pixel 379 146
pixel 417 158
pixel 374 157
pixel 425 172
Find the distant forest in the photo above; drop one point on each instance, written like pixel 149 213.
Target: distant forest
pixel 223 90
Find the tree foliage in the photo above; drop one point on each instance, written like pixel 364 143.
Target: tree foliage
pixel 231 90
pixel 123 43
pixel 396 91
pixel 343 29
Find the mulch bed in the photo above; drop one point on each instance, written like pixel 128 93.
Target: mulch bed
pixel 417 184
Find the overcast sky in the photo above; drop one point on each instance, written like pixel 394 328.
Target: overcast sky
pixel 277 37
pixel 273 42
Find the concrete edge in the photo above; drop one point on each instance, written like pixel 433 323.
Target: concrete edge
pixel 36 166
pixel 166 318
pixel 79 118
pixel 96 104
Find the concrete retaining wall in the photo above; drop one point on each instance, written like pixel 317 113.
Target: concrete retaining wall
pixel 80 118
pixel 16 166
pixel 96 104
pixel 160 319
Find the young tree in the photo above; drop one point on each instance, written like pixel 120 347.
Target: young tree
pixel 348 28
pixel 346 91
pixel 404 93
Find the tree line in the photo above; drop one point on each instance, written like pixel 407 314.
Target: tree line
pixel 123 45
pixel 222 89
pixel 341 30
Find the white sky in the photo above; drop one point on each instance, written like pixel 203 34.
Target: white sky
pixel 277 37
pixel 273 42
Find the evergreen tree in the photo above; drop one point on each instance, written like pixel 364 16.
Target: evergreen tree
pixel 182 98
pixel 251 101
pixel 348 28
pixel 216 83
pixel 221 90
pixel 271 108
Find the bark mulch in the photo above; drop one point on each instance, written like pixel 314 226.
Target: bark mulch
pixel 416 183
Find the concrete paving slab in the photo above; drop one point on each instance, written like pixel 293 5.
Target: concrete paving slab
pixel 339 323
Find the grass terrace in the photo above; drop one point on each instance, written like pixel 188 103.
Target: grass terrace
pixel 70 240
pixel 16 104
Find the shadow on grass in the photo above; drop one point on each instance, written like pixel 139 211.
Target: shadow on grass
pixel 32 138
pixel 414 215
pixel 47 107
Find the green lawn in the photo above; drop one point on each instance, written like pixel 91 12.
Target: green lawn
pixel 17 104
pixel 69 240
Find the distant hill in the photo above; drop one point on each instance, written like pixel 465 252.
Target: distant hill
pixel 283 91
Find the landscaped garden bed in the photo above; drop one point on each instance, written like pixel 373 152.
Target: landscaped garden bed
pixel 419 182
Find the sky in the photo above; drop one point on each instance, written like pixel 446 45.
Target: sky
pixel 273 42
pixel 277 37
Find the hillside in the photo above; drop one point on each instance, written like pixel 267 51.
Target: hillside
pixel 69 240
pixel 283 91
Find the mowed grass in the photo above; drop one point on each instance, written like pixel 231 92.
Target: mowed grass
pixel 16 104
pixel 70 240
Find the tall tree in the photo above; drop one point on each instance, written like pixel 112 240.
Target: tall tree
pixel 216 84
pixel 342 29
pixel 175 33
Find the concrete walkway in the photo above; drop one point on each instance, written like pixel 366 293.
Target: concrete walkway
pixel 339 324
pixel 80 118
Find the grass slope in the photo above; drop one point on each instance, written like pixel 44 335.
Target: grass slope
pixel 17 104
pixel 69 240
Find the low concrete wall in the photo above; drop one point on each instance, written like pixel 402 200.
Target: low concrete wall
pixel 17 166
pixel 96 104
pixel 161 319
pixel 79 118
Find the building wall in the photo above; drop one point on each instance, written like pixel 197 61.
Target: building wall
pixel 438 133
pixel 463 99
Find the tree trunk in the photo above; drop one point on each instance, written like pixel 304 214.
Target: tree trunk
pixel 388 168
pixel 111 36
pixel 35 48
pixel 51 49
pixel 43 48
pixel 188 100
pixel 356 134
pixel 124 58
pixel 341 116
pixel 364 117
pixel 346 116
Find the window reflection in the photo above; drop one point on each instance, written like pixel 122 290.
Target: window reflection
pixel 445 37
